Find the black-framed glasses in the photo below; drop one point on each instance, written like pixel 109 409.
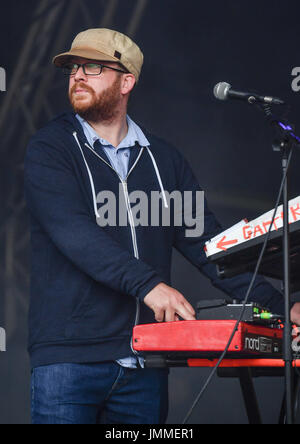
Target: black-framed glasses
pixel 89 69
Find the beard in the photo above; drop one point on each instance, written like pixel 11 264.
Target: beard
pixel 103 107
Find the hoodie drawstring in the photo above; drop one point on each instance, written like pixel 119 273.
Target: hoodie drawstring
pixel 158 178
pixel 90 177
pixel 93 185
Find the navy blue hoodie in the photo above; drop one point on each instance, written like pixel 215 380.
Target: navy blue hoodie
pixel 88 283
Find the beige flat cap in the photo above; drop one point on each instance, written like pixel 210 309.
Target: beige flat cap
pixel 105 45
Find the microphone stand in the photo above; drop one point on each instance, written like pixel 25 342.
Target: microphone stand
pixel 286 142
pixel 288 355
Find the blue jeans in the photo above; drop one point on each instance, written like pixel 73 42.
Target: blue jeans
pixel 98 393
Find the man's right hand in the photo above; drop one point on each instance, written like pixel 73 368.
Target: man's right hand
pixel 168 304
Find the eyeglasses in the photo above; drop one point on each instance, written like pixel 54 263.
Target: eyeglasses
pixel 89 69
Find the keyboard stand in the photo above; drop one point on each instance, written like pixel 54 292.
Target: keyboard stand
pixel 243 369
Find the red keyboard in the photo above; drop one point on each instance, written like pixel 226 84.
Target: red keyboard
pixel 202 337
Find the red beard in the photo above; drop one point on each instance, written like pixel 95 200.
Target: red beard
pixel 104 107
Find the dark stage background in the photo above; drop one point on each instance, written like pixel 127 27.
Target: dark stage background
pixel 189 46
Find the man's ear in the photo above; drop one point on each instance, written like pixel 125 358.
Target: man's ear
pixel 128 83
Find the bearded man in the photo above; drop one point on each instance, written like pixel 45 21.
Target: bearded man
pixel 90 283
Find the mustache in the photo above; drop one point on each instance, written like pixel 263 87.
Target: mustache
pixel 81 86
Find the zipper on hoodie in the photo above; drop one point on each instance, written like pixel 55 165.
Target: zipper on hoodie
pixel 131 221
pixel 126 195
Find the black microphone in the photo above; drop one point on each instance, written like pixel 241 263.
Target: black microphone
pixel 223 91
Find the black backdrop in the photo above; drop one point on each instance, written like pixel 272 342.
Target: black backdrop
pixel 190 46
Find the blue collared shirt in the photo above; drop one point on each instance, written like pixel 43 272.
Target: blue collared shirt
pixel 119 159
pixel 119 156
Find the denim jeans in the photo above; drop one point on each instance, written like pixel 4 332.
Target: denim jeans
pixel 98 393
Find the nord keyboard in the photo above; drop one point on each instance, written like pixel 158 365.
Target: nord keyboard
pixel 207 338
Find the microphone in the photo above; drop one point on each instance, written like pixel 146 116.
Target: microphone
pixel 223 91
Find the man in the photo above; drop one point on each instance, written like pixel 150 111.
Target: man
pixel 92 283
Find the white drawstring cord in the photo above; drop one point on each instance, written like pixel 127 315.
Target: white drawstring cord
pixel 158 178
pixel 90 177
pixel 92 182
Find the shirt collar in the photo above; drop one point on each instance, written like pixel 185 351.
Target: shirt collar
pixel 134 135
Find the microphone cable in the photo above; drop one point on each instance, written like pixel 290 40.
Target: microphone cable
pixel 213 372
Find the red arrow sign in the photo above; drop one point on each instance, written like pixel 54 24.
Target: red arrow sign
pixel 222 245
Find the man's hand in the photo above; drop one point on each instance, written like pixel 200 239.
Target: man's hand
pixel 295 314
pixel 168 304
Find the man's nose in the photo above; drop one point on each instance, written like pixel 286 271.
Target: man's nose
pixel 80 75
